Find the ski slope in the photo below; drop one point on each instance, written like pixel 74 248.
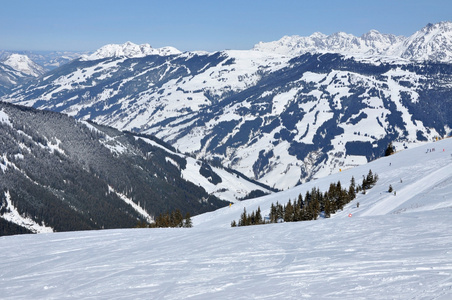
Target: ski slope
pixel 426 177
pixel 392 247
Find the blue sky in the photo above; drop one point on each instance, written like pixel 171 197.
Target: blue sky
pixel 202 24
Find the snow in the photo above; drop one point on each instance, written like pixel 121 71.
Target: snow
pixel 129 50
pixel 392 247
pixel 280 101
pixel 4 118
pixel 24 64
pixel 129 201
pixel 231 188
pixel 12 215
pixel 433 42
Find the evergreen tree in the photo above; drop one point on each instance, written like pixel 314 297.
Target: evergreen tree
pixel 273 214
pixel 389 150
pixel 351 189
pixel 259 219
pixel 243 218
pixel 288 212
pixel 188 223
pixel 300 200
pixel 279 212
pixel 178 219
pixel 327 208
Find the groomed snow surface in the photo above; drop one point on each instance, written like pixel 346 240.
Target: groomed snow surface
pixel 390 247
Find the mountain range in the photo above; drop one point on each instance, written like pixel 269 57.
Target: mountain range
pixel 283 113
pixel 432 43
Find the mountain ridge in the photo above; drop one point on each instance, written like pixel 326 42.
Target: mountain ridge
pixel 433 42
pixel 129 50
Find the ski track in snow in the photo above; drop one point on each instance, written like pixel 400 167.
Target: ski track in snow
pixel 391 202
pixel 408 257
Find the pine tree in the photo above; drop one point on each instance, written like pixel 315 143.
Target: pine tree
pixel 243 218
pixel 389 150
pixel 327 209
pixel 279 212
pixel 259 219
pixel 351 189
pixel 188 223
pixel 288 212
pixel 252 219
pixel 273 216
pixel 178 219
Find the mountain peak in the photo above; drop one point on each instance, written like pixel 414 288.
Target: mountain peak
pixel 433 42
pixel 444 25
pixel 24 64
pixel 129 50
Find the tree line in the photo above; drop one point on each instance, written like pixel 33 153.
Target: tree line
pixel 173 219
pixel 311 205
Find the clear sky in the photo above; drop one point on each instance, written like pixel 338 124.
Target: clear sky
pixel 202 24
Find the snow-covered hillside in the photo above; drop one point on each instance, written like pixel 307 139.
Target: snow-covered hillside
pixel 421 178
pixel 16 69
pixel 60 174
pixel 391 247
pixel 24 64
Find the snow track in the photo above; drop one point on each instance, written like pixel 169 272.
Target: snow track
pixel 391 201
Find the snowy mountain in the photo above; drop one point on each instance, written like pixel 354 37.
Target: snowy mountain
pixel 9 78
pixel 433 43
pixel 49 60
pixel 59 174
pixel 278 119
pixel 391 247
pixel 16 69
pixel 371 43
pixel 24 64
pixel 129 50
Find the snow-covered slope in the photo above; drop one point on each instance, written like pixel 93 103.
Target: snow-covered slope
pixel 387 249
pixel 433 42
pixel 129 50
pixel 24 64
pixel 16 69
pixel 421 177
